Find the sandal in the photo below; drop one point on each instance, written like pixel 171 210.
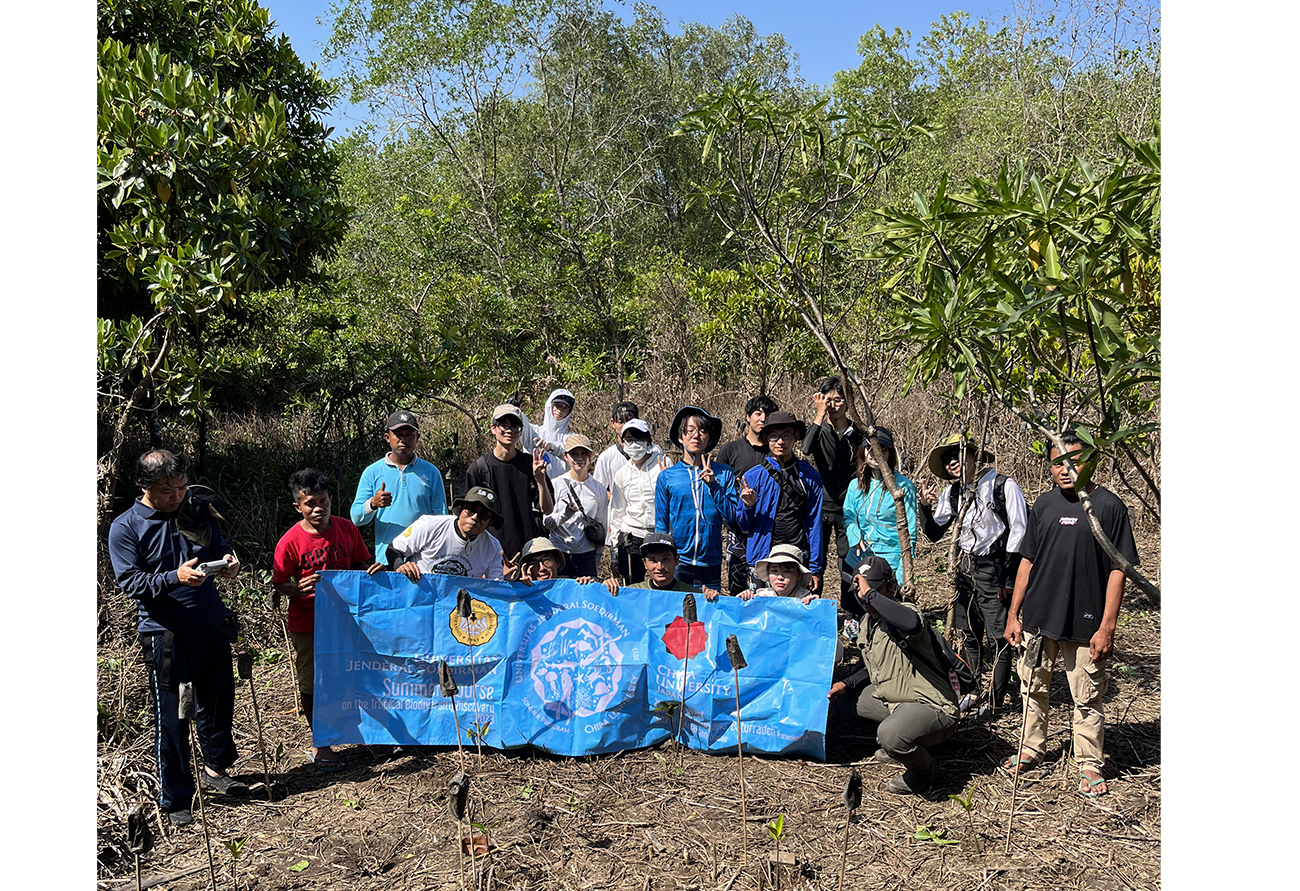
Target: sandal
pixel 1092 784
pixel 1019 764
pixel 327 765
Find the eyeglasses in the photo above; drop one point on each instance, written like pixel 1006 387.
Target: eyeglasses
pixel 514 426
pixel 476 511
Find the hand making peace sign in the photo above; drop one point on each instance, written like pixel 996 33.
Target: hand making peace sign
pixel 748 494
pixel 706 469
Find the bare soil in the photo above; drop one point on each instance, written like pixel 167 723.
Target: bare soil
pixel 656 818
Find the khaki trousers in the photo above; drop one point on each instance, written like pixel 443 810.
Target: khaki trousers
pixel 1087 686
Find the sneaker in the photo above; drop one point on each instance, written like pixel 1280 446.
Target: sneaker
pixel 985 713
pixel 910 782
pixel 885 758
pixel 226 785
pixel 181 817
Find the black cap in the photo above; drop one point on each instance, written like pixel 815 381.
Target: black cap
pixel 876 570
pixel 658 540
pixel 624 411
pixel 402 418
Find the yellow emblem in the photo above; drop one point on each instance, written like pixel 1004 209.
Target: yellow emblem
pixel 478 628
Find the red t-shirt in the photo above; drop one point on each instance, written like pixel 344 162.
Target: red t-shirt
pixel 301 553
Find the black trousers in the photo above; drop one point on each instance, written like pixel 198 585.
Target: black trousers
pixel 200 656
pixel 981 613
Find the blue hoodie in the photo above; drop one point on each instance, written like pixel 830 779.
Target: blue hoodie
pixel 693 512
pixel 757 521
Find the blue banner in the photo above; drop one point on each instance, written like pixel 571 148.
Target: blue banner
pixel 565 667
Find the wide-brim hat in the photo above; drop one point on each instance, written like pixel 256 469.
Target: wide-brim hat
pixel 484 497
pixel 536 547
pixel 714 425
pixel 783 419
pixel 935 461
pixel 785 553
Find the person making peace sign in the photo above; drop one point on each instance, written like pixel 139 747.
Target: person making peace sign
pixel 694 497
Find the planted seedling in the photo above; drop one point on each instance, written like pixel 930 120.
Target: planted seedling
pixel 968 804
pixel 852 797
pixel 458 805
pixel 738 662
pixel 244 667
pixel 690 617
pixel 185 711
pixel 138 838
pixel 449 689
pixel 939 836
pixel 776 829
pixel 465 610
pixel 236 847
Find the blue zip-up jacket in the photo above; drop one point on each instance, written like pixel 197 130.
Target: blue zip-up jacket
pixel 757 521
pixel 870 520
pixel 417 490
pixel 146 548
pixel 693 512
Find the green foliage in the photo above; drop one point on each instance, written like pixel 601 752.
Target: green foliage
pixel 299 866
pixel 1043 292
pixel 939 836
pixel 776 828
pixel 213 180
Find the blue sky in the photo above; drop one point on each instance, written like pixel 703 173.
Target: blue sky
pixel 823 32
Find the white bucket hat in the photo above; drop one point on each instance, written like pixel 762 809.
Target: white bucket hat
pixel 785 553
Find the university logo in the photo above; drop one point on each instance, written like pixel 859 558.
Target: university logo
pixel 478 628
pixel 576 669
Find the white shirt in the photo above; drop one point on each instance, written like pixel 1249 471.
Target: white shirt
pixel 612 460
pixel 567 534
pixel 632 499
pixel 981 526
pixel 435 546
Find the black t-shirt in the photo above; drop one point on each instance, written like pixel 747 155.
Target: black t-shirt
pixel 517 490
pixel 833 457
pixel 791 507
pixel 1067 584
pixel 741 454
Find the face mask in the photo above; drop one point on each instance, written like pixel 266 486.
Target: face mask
pixel 636 450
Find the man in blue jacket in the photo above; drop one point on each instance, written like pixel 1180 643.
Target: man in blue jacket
pixel 694 497
pixel 399 488
pixel 781 499
pixel 156 548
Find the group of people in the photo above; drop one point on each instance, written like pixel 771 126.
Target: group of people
pixel 542 505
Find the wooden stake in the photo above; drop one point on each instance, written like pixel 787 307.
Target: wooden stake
pixel 738 662
pixel 244 662
pixel 1020 748
pixel 690 616
pixel 186 713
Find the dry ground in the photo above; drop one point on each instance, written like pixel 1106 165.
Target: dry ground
pixel 654 818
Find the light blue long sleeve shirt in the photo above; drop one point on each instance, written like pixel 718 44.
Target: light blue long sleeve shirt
pixel 417 489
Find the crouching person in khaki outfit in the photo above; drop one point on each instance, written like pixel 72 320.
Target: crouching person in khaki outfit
pixel 908 693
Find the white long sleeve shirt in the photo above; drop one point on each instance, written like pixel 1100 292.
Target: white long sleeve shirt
pixel 981 527
pixel 632 499
pixel 567 533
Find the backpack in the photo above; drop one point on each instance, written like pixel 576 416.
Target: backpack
pixel 959 675
pixel 999 510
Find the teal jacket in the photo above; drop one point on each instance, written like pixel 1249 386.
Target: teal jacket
pixel 870 520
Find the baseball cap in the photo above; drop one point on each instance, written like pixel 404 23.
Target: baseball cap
pixel 402 418
pixel 506 410
pixel 636 424
pixel 658 540
pixel 624 411
pixel 576 441
pixel 876 570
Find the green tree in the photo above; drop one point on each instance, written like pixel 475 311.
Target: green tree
pixel 214 180
pixel 1043 293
